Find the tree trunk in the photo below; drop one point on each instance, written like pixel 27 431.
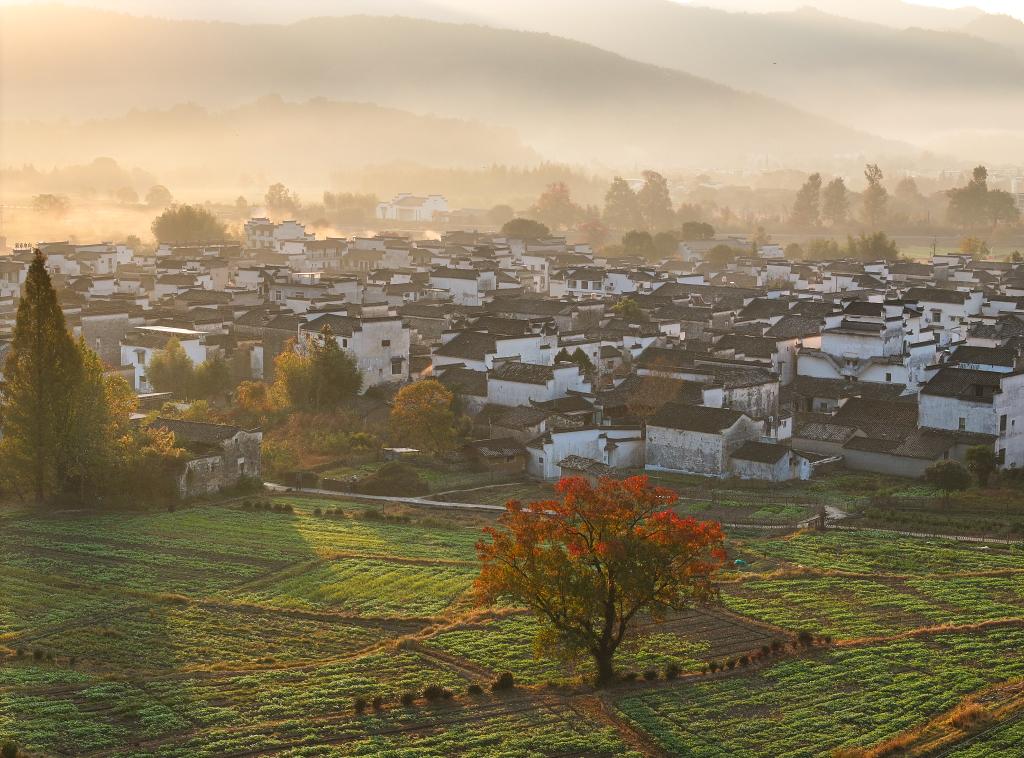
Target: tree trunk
pixel 605 669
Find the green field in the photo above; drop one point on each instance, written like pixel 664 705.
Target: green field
pixel 218 630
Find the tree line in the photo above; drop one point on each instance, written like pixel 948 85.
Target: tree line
pixel 67 431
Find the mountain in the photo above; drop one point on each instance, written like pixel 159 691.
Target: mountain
pixel 901 83
pixel 894 13
pixel 300 143
pixel 1002 30
pixel 568 100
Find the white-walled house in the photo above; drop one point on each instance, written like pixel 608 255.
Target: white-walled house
pixel 693 439
pixel 619 447
pixel 141 343
pixel 466 286
pixel 408 207
pixel 379 344
pixel 984 402
pixel 514 383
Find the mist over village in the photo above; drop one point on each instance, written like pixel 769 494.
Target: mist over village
pixel 434 378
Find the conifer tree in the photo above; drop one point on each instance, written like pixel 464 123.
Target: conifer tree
pixel 41 372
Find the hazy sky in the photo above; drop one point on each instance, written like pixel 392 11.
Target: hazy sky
pixel 242 10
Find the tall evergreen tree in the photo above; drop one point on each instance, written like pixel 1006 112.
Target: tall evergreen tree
pixel 807 207
pixel 835 202
pixel 655 203
pixel 876 197
pixel 41 374
pixel 335 378
pixel 621 211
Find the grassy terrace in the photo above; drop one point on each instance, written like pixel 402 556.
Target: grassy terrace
pixel 215 630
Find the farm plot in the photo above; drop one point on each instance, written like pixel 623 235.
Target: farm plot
pixel 685 639
pixel 186 636
pixel 870 551
pixel 369 587
pixel 843 697
pixel 840 606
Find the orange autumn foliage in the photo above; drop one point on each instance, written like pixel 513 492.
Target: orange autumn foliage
pixel 588 564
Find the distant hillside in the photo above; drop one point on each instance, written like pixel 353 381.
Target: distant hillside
pixel 897 82
pixel 569 100
pixel 303 143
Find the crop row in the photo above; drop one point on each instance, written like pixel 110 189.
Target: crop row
pixel 848 697
pixel 369 587
pixel 867 551
pixel 845 607
pixel 508 645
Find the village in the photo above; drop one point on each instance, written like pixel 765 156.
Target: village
pixel 569 362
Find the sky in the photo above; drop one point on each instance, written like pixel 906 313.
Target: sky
pixel 246 10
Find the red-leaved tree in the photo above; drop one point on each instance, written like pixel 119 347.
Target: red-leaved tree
pixel 588 564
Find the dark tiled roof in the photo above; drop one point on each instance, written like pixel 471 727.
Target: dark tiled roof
pixel 498 448
pixel 465 381
pixel 694 418
pixel 991 356
pixel 763 308
pixel 585 466
pixel 470 345
pixel 197 431
pixel 963 384
pixel 934 295
pixel 821 427
pixel 524 373
pixel 760 452
pixel 811 386
pixel 743 344
pixel 884 419
pixel 520 417
pixel 864 308
pixel 793 327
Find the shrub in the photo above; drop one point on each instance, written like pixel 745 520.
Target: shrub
pixel 407 698
pixel 672 670
pixel 393 478
pixel 20 652
pixel 730 663
pixel 968 715
pixel 317 511
pixel 651 674
pixel 359 705
pixel 37 654
pixel 505 681
pixel 765 650
pixel 436 692
pixel 776 646
pixel 475 689
pixel 9 750
pixel 629 676
pixel 713 666
pixel 805 638
pixel 378 702
pixel 744 660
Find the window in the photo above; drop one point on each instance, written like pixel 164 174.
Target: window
pixel 1001 457
pixel 344 342
pixel 385 343
pixel 396 366
pixel 241 466
pixel 963 424
pixel 888 376
pixel 1002 423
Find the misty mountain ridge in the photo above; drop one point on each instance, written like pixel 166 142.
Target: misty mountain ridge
pixel 303 143
pixel 566 99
